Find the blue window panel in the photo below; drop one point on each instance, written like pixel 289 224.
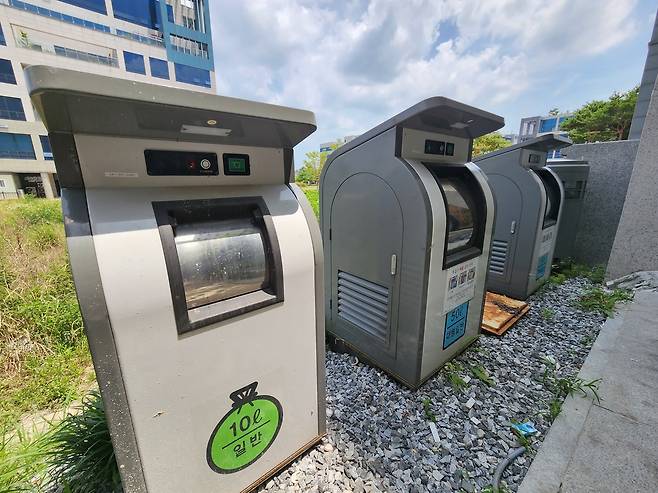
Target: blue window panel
pixel 7 72
pixel 159 68
pixel 192 75
pixel 170 14
pixel 45 146
pixel 561 121
pixel 134 63
pixel 93 5
pixel 11 109
pixel 2 38
pixel 547 125
pixel 16 146
pixel 141 12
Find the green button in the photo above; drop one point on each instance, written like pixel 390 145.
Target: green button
pixel 237 165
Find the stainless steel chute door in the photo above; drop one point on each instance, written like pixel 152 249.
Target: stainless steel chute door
pixel 366 246
pixel 509 204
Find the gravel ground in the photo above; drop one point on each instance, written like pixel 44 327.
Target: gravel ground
pixel 379 437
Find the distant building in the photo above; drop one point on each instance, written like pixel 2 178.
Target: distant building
pixel 327 146
pixel 535 126
pixel 511 138
pixel 166 42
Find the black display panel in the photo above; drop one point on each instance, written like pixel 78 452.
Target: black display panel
pixel 435 147
pixel 181 163
pixel 236 164
pixel 534 159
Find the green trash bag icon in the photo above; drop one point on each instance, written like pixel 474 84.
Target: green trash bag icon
pixel 245 432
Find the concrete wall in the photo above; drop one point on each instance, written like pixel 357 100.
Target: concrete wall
pixel 611 164
pixel 636 242
pixel 646 85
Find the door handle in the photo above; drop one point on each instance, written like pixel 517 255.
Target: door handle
pixel 513 228
pixel 394 264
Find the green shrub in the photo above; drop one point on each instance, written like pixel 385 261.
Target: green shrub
pixel 80 454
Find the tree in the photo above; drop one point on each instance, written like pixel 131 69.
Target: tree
pixel 599 121
pixel 554 112
pixel 310 171
pixel 489 143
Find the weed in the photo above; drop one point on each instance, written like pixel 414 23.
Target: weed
pixel 452 370
pixel 80 454
pixel 523 440
pixel 571 385
pixel 557 278
pixel 554 408
pixel 481 373
pixel 588 340
pixel 429 415
pixel 547 313
pixel 603 301
pixel 457 382
pixel 568 269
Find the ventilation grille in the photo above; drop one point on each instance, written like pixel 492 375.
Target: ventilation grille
pixel 364 304
pixel 498 257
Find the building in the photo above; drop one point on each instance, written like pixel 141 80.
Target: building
pixel 511 138
pixel 156 41
pixel 535 126
pixel 328 147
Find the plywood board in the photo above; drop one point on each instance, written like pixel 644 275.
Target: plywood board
pixel 501 313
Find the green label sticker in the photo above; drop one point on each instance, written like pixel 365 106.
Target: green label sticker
pixel 245 432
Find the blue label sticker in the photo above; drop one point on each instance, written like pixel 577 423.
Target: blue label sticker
pixel 541 266
pixel 455 325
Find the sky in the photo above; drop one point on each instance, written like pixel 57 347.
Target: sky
pixel 355 63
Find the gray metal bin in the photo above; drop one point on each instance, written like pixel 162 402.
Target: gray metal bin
pixel 406 224
pixel 529 202
pixel 573 174
pixel 198 268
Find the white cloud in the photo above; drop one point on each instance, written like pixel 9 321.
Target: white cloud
pixel 357 62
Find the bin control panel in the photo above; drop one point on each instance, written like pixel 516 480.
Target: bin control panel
pixel 180 163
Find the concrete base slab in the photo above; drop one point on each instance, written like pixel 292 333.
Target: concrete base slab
pixel 611 445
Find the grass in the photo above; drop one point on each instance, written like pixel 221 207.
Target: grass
pixel 429 415
pixel 451 370
pixel 22 461
pixel 79 451
pixel 313 195
pixel 602 300
pixel 547 313
pixel 568 269
pixel 44 360
pixel 481 374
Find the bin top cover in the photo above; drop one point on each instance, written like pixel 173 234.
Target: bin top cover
pixel 77 102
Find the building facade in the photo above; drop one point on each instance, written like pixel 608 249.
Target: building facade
pixel 328 147
pixel 535 126
pixel 164 42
